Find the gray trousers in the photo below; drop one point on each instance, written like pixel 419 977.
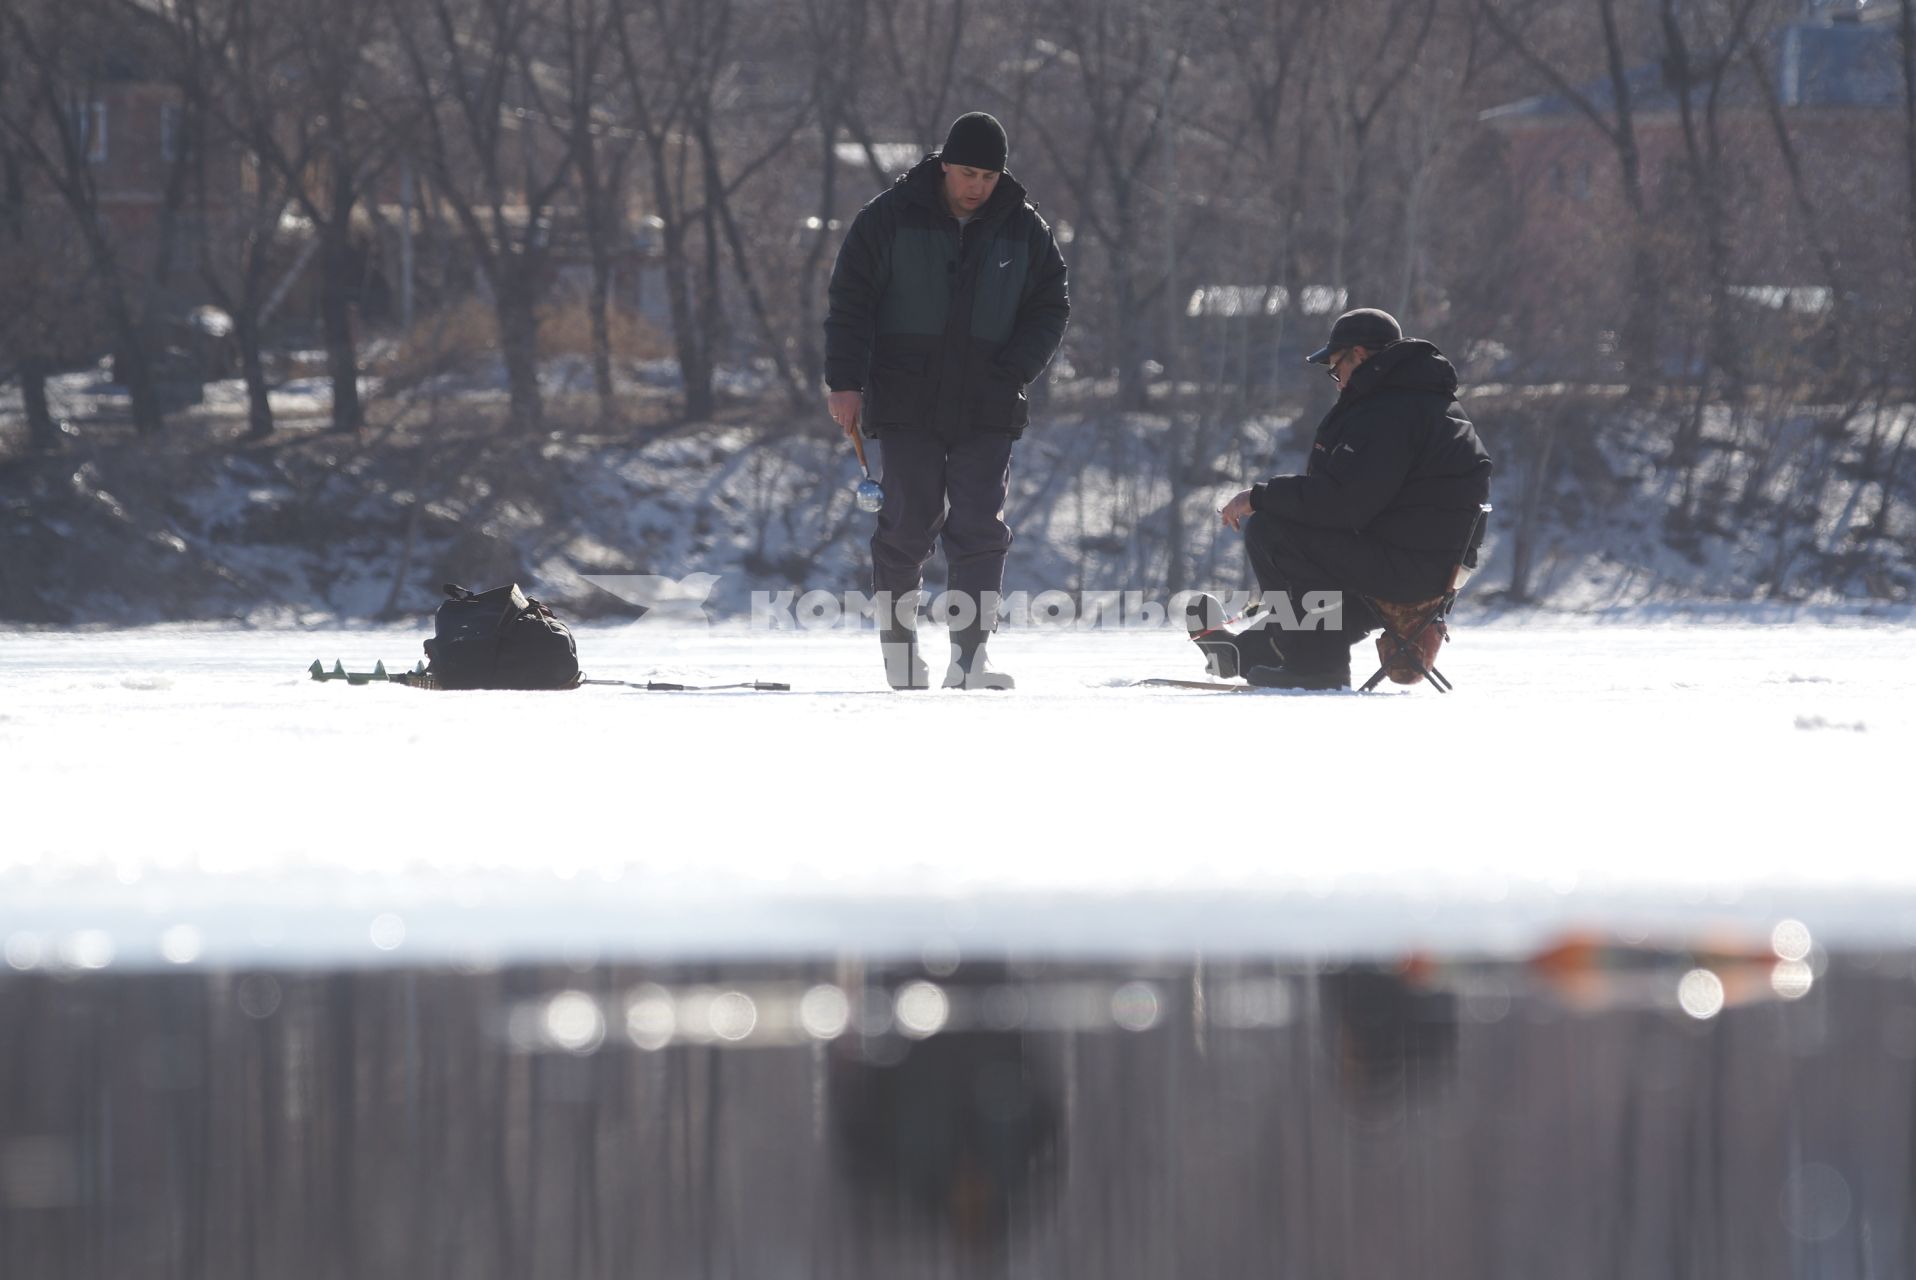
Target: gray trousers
pixel 949 490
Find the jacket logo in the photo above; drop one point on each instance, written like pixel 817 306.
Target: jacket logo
pixel 1005 263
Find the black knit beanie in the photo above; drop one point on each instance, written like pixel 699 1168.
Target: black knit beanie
pixel 976 140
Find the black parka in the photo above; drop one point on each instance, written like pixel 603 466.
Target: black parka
pixel 940 328
pixel 1395 459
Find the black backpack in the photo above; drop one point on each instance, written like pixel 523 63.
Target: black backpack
pixel 499 639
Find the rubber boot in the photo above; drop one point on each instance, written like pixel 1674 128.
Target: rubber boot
pixel 1204 623
pixel 971 667
pixel 1283 676
pixel 904 669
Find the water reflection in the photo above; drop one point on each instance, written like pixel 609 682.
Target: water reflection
pixel 1396 1033
pixel 944 1132
pixel 1602 1109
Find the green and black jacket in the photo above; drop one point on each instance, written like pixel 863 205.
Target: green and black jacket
pixel 939 328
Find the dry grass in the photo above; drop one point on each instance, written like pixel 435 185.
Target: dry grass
pixel 565 328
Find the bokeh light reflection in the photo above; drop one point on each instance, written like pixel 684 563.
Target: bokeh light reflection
pixel 1792 980
pixel 24 951
pixel 181 944
pixel 388 931
pixel 732 1016
pixel 1135 1007
pixel 88 949
pixel 258 995
pixel 824 1012
pixel 572 1022
pixel 1700 994
pixel 922 1009
pixel 1005 1008
pixel 1790 940
pixel 650 1019
pixel 1816 1203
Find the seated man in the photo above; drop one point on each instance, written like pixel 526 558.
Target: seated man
pixel 1383 509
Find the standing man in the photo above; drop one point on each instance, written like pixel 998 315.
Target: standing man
pixel 947 301
pixel 1383 509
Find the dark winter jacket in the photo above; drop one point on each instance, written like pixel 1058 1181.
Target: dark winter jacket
pixel 1395 459
pixel 940 329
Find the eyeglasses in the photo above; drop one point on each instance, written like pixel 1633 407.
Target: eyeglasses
pixel 1331 362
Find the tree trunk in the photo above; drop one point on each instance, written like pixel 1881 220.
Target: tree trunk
pixel 1523 541
pixel 1133 389
pixel 711 319
pixel 1886 480
pixel 42 431
pixel 599 221
pixel 717 201
pixel 695 363
pixel 519 344
pixel 811 353
pixel 1639 345
pixel 259 409
pixel 336 315
pixel 600 304
pixel 132 365
pixel 1906 31
pixel 688 334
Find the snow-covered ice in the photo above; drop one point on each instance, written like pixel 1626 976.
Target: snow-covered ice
pixel 188 795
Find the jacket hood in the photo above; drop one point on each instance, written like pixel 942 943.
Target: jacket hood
pixel 924 180
pixel 1410 365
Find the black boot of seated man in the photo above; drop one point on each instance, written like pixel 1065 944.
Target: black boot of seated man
pixel 1204 623
pixel 1228 654
pixel 1306 659
pixel 1285 676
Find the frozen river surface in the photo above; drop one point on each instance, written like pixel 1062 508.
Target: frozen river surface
pixel 188 795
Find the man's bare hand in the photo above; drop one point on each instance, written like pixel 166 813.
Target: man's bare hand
pixel 1234 511
pixel 845 407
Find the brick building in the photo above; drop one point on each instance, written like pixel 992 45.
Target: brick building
pixel 1809 228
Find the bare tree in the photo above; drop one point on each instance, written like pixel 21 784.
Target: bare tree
pixel 59 57
pixel 720 193
pixel 669 51
pixel 1427 133
pixel 218 44
pixel 601 150
pixel 492 133
pixel 836 37
pixel 35 279
pixel 303 82
pixel 1532 29
pixel 1272 49
pixel 1906 63
pixel 920 46
pixel 1366 67
pixel 1123 61
pixel 1698 75
pixel 685 83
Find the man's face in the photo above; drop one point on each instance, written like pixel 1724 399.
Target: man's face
pixel 967 189
pixel 1343 363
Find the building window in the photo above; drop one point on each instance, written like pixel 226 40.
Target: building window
pixel 88 120
pixel 170 132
